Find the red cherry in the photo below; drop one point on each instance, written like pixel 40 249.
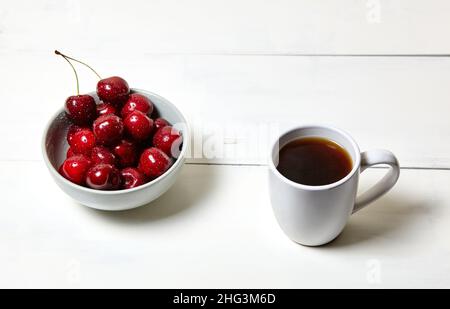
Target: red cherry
pixel 126 153
pixel 102 154
pixel 103 177
pixel 138 125
pixel 153 162
pixel 81 109
pixel 160 122
pixel 137 102
pixel 131 178
pixel 72 130
pixel 168 139
pixel 75 168
pixel 108 129
pixel 105 109
pixel 69 153
pixel 82 142
pixel 113 89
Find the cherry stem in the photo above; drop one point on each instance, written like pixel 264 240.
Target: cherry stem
pixel 74 71
pixel 67 57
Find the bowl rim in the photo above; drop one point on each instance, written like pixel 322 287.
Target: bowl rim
pixel 179 161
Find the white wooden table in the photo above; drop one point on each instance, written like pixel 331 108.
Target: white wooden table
pixel 377 68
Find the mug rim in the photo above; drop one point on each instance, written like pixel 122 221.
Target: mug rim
pixel 355 168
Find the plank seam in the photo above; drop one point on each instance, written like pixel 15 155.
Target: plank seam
pixel 265 54
pixel 255 164
pixel 440 55
pixel 375 167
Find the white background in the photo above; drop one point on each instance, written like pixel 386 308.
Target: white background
pixel 377 68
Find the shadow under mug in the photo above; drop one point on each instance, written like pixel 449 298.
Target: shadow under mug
pixel 315 215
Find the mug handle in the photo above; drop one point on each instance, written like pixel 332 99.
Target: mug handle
pixel 375 157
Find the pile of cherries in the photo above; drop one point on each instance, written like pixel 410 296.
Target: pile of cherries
pixel 116 144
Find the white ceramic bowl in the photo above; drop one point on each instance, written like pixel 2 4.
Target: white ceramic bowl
pixel 54 148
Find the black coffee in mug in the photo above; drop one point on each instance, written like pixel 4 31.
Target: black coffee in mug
pixel 314 161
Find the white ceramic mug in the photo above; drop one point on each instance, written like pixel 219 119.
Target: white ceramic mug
pixel 315 215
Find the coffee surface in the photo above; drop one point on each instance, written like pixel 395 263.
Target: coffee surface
pixel 314 161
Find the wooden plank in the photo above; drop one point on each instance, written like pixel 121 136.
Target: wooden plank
pixel 396 103
pixel 215 229
pixel 231 26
